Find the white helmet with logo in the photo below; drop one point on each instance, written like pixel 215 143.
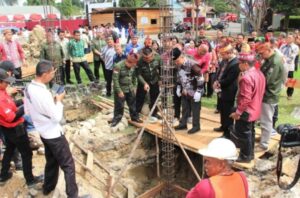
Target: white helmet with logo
pixel 220 148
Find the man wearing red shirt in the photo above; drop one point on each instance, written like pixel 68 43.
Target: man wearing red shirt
pixel 249 100
pixel 11 125
pixel 12 50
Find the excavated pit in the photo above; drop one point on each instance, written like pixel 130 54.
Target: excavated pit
pixel 88 131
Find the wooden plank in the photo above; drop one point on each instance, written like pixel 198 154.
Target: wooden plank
pixel 154 191
pixel 90 160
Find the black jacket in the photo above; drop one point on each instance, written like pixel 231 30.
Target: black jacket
pixel 229 80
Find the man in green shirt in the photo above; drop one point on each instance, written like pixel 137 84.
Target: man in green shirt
pixel 76 51
pixel 97 44
pixel 52 51
pixel 273 71
pixel 148 73
pixel 124 80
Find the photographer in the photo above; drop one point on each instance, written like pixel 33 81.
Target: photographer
pixel 9 67
pixel 46 113
pixel 11 125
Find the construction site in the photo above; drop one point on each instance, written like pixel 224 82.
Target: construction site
pixel 146 159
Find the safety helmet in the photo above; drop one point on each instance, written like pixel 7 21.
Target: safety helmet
pixel 220 148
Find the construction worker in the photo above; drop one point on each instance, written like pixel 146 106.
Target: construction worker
pixel 191 89
pixel 53 51
pixel 148 73
pixel 223 181
pixel 123 78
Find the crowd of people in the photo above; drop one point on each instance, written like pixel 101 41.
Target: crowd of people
pixel 246 73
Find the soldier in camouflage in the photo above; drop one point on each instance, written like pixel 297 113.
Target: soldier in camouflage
pixel 148 74
pixel 191 89
pixel 52 51
pixel 124 81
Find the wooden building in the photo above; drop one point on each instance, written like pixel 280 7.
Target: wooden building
pixel 145 19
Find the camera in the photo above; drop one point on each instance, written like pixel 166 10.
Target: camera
pixel 290 135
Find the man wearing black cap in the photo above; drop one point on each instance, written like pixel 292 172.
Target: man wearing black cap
pixel 148 73
pixel 11 124
pixel 191 88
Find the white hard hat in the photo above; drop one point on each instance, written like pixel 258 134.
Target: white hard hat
pixel 220 148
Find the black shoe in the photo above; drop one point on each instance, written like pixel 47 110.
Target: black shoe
pixel 114 123
pixel 138 120
pixel 241 159
pixel 193 130
pixel 36 180
pixel 216 111
pixel 4 178
pixel 180 127
pixel 108 94
pixel 219 129
pixel 70 82
pixel 47 192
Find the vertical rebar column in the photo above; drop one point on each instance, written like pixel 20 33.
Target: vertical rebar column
pixel 167 85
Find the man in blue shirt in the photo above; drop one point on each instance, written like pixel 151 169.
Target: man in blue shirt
pixel 133 46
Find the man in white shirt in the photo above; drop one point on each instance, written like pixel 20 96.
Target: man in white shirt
pixel 46 112
pixel 290 50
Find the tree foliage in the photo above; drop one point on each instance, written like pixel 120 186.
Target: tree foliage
pixel 286 7
pixel 220 6
pixel 254 10
pixel 8 2
pixel 130 3
pixel 66 8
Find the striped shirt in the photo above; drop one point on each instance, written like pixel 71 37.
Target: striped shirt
pixel 108 54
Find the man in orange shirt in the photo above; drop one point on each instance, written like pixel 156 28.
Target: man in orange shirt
pixel 223 182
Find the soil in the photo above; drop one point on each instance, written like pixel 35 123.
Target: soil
pixel 111 147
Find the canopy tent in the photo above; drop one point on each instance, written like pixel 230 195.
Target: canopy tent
pixel 19 17
pixel 35 17
pixel 3 18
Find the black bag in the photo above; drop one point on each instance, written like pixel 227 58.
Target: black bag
pixel 290 137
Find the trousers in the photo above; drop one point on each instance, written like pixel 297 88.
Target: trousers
pixel 86 68
pixel 140 96
pixel 119 106
pixel 58 154
pixel 17 138
pixel 266 123
pixel 189 105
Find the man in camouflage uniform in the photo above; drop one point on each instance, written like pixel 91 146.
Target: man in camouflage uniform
pixel 191 88
pixel 123 78
pixel 52 51
pixel 97 44
pixel 148 74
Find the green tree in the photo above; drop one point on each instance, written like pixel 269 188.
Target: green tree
pixel 8 2
pixel 66 8
pixel 153 3
pixel 40 2
pixel 286 7
pixel 130 3
pixel 220 6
